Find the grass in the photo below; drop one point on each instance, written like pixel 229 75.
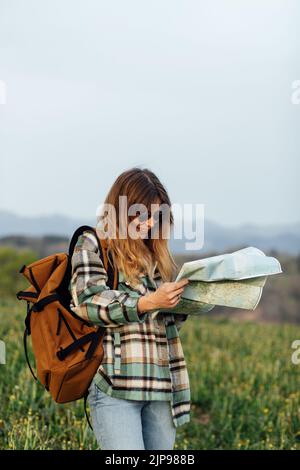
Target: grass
pixel 245 390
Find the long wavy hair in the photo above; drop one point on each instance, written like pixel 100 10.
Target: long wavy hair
pixel 138 256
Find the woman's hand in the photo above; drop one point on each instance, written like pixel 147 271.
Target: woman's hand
pixel 167 295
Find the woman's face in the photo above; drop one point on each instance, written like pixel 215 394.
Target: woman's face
pixel 145 221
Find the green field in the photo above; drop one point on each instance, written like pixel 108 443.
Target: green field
pixel 245 390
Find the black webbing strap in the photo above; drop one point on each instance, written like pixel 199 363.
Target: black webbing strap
pixel 34 282
pixel 94 343
pixel 27 318
pixel 110 273
pixel 24 293
pixel 110 269
pixel 64 352
pixel 40 304
pixel 77 234
pixel 85 410
pixel 26 353
pixel 27 332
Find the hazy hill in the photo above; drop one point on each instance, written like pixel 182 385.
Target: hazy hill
pixel 55 229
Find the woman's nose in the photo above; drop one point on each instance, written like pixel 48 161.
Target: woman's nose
pixel 150 222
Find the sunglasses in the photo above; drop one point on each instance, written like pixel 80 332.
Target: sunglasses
pixel 157 216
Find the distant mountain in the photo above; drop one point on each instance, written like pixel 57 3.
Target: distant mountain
pixel 16 229
pixel 56 224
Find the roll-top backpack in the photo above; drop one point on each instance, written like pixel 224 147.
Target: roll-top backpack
pixel 67 349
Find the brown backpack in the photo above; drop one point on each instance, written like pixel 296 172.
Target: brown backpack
pixel 67 349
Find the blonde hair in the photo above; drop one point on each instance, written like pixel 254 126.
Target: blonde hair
pixel 136 257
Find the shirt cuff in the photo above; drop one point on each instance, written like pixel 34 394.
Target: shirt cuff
pixel 125 311
pixel 132 310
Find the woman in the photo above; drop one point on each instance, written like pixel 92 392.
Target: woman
pixel 141 392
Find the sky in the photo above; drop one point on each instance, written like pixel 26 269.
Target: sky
pixel 197 91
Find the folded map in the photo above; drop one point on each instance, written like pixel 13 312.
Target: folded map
pixel 233 280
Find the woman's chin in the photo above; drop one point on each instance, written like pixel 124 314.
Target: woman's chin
pixel 144 235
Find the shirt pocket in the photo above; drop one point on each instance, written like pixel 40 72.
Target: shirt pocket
pixel 117 352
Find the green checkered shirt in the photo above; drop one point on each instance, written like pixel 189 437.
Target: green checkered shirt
pixel 143 356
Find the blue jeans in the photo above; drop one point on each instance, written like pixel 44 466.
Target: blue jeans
pixel 130 424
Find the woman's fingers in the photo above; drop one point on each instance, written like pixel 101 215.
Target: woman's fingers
pixel 176 292
pixel 171 292
pixel 181 283
pixel 175 301
pixel 176 297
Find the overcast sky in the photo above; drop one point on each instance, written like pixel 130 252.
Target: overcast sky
pixel 197 91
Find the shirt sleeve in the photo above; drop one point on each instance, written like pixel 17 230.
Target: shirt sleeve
pixel 92 299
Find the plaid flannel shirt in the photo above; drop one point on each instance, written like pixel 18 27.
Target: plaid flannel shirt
pixel 143 356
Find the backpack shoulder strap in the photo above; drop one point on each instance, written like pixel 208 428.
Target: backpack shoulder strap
pixel 112 271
